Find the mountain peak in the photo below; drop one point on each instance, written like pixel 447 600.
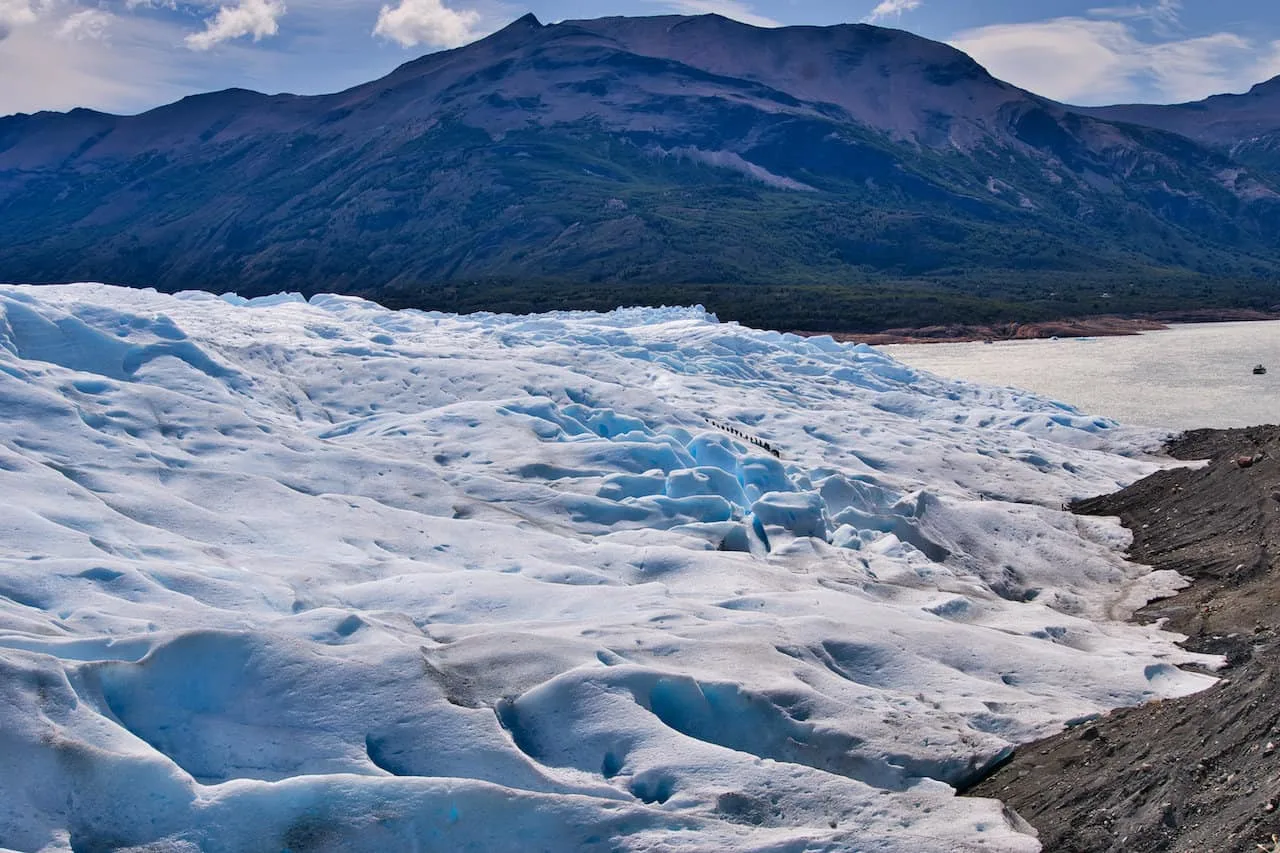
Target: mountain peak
pixel 528 21
pixel 882 137
pixel 525 27
pixel 1267 88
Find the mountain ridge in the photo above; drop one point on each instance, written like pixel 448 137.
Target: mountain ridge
pixel 621 160
pixel 1247 125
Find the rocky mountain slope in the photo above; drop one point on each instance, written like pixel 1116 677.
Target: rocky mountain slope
pixel 846 177
pixel 1246 126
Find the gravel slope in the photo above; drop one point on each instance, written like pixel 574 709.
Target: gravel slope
pixel 1200 773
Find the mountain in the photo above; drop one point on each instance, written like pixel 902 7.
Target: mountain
pixel 1246 126
pixel 847 177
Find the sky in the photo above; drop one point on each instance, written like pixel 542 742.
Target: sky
pixel 130 55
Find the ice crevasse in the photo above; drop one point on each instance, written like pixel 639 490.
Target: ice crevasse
pixel 280 574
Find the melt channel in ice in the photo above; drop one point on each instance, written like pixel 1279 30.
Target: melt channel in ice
pixel 287 575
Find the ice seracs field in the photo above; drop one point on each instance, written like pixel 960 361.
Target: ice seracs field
pixel 287 575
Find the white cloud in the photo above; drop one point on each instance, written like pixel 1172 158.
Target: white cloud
pixel 427 22
pixel 1269 64
pixel 135 69
pixel 85 24
pixel 1162 10
pixel 1088 61
pixel 257 18
pixel 734 9
pixel 891 9
pixel 1164 16
pixel 14 14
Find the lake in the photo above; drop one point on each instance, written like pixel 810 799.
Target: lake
pixel 1189 376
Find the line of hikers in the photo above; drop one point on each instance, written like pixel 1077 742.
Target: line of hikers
pixel 732 430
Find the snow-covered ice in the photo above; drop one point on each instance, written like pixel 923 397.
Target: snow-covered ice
pixel 279 575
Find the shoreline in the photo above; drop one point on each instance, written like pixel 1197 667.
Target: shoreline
pixel 1079 327
pixel 1199 772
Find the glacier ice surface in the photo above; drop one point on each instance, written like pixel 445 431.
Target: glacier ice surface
pixel 279 574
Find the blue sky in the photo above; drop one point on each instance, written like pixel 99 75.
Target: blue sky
pixel 129 55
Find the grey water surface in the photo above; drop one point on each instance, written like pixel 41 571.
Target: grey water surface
pixel 1189 376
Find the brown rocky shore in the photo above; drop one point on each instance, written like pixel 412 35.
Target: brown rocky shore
pixel 1200 773
pixel 1091 327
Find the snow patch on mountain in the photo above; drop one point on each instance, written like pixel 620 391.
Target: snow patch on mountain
pixel 734 162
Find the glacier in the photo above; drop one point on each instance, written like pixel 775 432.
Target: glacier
pixel 280 574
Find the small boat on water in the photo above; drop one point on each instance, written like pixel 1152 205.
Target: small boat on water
pixel 1258 370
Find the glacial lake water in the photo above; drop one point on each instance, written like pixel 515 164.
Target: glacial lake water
pixel 1189 376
